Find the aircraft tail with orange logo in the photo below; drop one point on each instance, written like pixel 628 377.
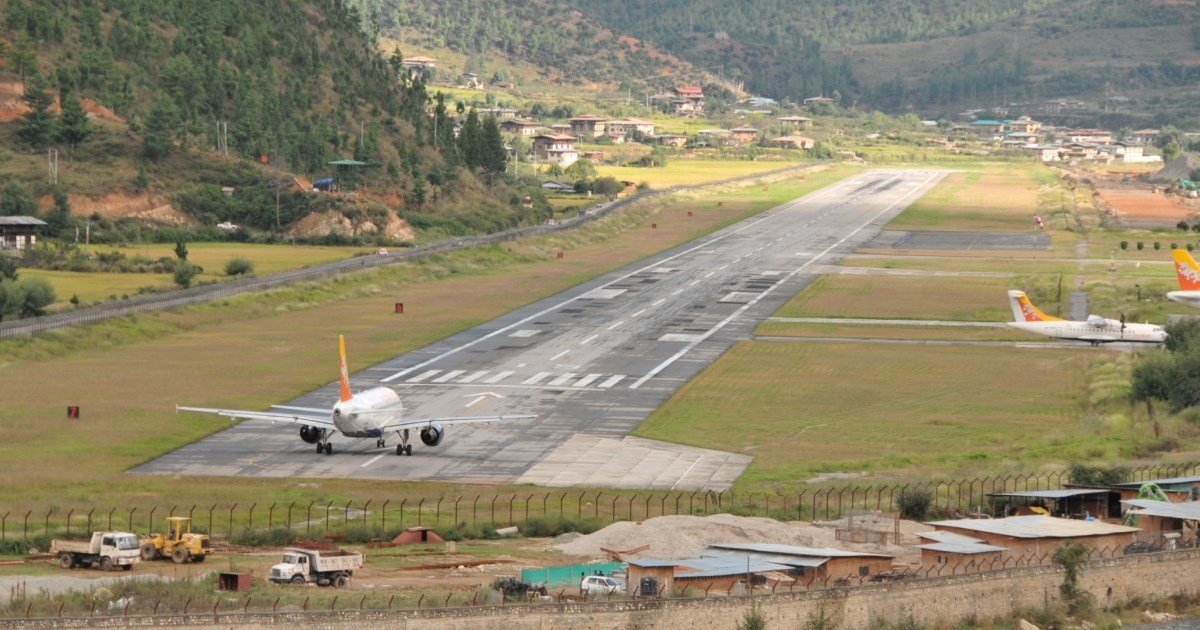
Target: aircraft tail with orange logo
pixel 343 372
pixel 1187 270
pixel 1025 311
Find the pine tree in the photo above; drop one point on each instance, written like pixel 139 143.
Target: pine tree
pixel 37 125
pixel 493 157
pixel 470 141
pixel 23 57
pixel 73 126
pixel 160 125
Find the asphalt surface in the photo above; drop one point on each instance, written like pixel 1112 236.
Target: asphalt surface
pixel 593 361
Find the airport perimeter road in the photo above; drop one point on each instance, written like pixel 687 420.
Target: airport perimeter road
pixel 593 361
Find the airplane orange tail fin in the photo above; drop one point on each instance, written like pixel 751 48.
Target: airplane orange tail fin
pixel 1187 270
pixel 344 377
pixel 1025 311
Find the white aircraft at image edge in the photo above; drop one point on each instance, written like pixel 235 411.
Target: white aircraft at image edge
pixel 1095 330
pixel 368 414
pixel 1188 273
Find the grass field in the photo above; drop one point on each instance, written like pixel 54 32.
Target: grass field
pixel 994 198
pixel 681 171
pixel 259 349
pixel 886 331
pixel 960 298
pixel 885 409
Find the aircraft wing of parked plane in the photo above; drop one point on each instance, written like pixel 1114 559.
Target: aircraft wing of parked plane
pixel 1095 330
pixel 1188 273
pixel 369 414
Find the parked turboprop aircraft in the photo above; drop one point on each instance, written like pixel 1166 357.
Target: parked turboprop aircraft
pixel 1096 329
pixel 1189 279
pixel 368 414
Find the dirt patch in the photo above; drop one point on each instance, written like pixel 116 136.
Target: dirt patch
pixel 144 207
pixel 12 105
pixel 323 223
pixel 677 537
pixel 1145 208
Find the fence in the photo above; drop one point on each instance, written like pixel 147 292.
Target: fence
pixel 567 575
pixel 209 293
pixel 329 517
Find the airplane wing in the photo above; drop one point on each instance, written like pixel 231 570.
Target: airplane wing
pixel 307 419
pixel 1097 338
pixel 307 410
pixel 416 422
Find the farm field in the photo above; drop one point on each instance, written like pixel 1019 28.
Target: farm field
pixel 259 349
pixel 998 199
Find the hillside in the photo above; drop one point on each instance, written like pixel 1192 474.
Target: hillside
pixel 934 57
pixel 256 98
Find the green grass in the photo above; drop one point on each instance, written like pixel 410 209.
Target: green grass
pixel 681 171
pixel 991 197
pixel 960 298
pixel 885 331
pixel 883 409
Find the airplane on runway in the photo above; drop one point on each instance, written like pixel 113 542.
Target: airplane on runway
pixel 1189 279
pixel 1095 330
pixel 368 414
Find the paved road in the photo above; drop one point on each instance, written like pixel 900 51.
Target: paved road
pixel 594 361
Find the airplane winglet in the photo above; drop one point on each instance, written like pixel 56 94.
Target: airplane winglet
pixel 1187 270
pixel 344 376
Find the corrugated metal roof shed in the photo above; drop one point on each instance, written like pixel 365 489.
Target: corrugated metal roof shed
pixel 794 561
pixel 719 567
pixel 791 550
pixel 1049 494
pixel 17 220
pixel 963 548
pixel 1037 526
pixel 1171 481
pixel 649 563
pixel 948 537
pixel 1188 511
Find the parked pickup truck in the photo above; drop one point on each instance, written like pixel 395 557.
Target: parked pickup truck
pixel 107 549
pixel 325 568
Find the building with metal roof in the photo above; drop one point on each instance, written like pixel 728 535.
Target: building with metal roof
pixel 1039 534
pixel 809 562
pixel 1158 519
pixel 19 232
pixel 1074 502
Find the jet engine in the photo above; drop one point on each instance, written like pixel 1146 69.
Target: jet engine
pixel 312 435
pixel 432 435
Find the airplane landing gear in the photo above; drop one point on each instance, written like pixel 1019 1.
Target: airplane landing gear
pixel 403 448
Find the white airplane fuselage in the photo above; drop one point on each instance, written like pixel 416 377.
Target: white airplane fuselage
pixel 365 413
pixel 1083 331
pixel 1190 298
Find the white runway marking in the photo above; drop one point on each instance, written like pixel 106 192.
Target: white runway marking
pixel 448 375
pixel 659 302
pixel 535 379
pixel 616 324
pixel 424 375
pixel 585 341
pixel 499 377
pixel 372 460
pixel 613 380
pixel 583 382
pixel 638 313
pixel 470 378
pixel 560 355
pixel 562 380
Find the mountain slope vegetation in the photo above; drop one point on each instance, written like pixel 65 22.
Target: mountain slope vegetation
pixel 253 96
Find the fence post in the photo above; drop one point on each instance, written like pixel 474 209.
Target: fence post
pixel 596 506
pixel 231 509
pixel 510 509
pixel 328 509
pixel 800 505
pixel 130 518
pixel 270 516
pixel 210 519
pixel 383 516
pixel 346 515
pixel 150 519
pixel 579 506
pixel 110 513
pixel 437 513
pixel 494 497
pixel 4 526
pixel 364 508
pixel 289 516
pixel 250 520
pixel 528 500
pixel 69 514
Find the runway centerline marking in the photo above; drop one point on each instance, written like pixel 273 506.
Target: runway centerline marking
pixel 559 355
pixel 372 460
pixel 616 324
pixel 766 216
pixel 703 336
pixel 585 341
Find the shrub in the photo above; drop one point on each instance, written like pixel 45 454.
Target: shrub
pixel 1124 244
pixel 1182 225
pixel 1140 245
pixel 1174 246
pixel 914 503
pixel 239 267
pixel 1095 476
pixel 276 537
pixel 1190 247
pixel 184 274
pixel 13 547
pixel 1157 245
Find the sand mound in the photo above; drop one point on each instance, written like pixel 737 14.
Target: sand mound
pixel 674 537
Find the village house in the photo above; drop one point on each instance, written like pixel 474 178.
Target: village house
pixel 1046 152
pixel 1024 125
pixel 18 232
pixel 520 127
pixel 629 126
pixel 1144 137
pixel 800 122
pixel 669 140
pixel 587 126
pixel 688 100
pixel 562 129
pixel 420 63
pixel 555 149
pixel 795 142
pixel 714 137
pixel 1088 136
pixel 1165 524
pixel 1079 151
pixel 500 113
pixel 987 128
pixel 744 135
pixel 818 100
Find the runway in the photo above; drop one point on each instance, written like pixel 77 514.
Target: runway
pixel 594 361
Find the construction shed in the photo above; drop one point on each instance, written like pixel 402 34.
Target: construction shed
pixel 1177 489
pixel 727 575
pixel 809 563
pixel 1164 523
pixel 17 232
pixel 961 554
pixel 1069 503
pixel 1037 534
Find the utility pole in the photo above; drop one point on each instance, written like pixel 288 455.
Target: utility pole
pixel 52 163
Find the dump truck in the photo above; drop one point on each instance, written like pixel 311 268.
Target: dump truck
pixel 179 543
pixel 105 549
pixel 324 568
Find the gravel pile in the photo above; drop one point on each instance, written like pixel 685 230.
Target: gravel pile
pixel 675 537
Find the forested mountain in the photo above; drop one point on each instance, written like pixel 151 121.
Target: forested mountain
pixel 284 85
pixel 566 44
pixel 929 55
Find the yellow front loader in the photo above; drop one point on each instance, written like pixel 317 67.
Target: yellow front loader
pixel 179 543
